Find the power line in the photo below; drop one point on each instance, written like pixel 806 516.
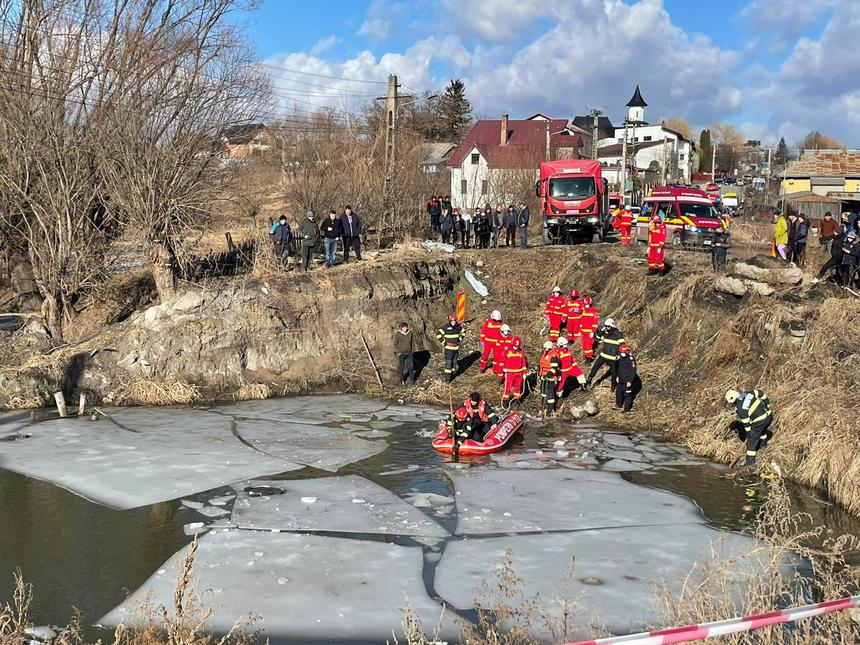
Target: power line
pixel 333 78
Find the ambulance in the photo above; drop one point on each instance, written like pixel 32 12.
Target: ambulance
pixel 690 216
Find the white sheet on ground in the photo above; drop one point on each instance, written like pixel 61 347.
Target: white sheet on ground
pixel 344 504
pixel 302 587
pixel 560 499
pixel 174 452
pixel 317 446
pixel 627 564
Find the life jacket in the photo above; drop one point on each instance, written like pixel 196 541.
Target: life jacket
pixel 548 362
pixel 480 411
pixel 491 331
pixel 515 362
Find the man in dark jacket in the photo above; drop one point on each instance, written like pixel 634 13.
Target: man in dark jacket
pixel 331 232
pixel 434 209
pixel 628 382
pixel 496 222
pixel 835 260
pixel 482 229
pixel 450 335
pixel 798 231
pixel 404 347
pixel 612 339
pixel 523 225
pixel 850 259
pixel 350 224
pixel 445 202
pixel 309 234
pixel 510 223
pixel 281 234
pixel 720 249
pixel 446 226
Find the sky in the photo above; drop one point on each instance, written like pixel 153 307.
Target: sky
pixel 772 68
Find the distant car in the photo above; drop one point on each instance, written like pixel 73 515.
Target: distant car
pixel 730 181
pixel 711 188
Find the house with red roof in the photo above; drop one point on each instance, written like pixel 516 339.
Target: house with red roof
pixel 498 161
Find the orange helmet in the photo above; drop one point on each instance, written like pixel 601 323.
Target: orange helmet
pixel 452 318
pixel 461 413
pixel 516 343
pixel 624 348
pixel 574 293
pixel 656 219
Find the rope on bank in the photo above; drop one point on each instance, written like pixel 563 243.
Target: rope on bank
pixel 730 626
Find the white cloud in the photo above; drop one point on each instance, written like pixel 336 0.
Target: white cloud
pixel 324 44
pixel 496 20
pixel 381 15
pixel 785 19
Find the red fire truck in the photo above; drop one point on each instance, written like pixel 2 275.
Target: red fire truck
pixel 690 217
pixel 574 201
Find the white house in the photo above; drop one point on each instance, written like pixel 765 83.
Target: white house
pixel 651 144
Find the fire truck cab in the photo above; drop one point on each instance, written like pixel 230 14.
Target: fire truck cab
pixel 690 217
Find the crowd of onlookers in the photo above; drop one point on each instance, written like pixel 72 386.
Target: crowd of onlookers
pixel 840 239
pixel 343 228
pixel 480 227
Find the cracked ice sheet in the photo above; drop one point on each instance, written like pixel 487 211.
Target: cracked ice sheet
pixel 174 452
pixel 317 446
pixel 11 422
pixel 313 410
pixel 303 587
pixel 628 562
pixel 506 501
pixel 343 504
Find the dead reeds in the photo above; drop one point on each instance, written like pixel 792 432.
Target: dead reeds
pixel 146 392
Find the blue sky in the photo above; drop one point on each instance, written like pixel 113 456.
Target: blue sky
pixel 770 67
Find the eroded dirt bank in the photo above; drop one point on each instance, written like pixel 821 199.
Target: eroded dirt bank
pixel 303 332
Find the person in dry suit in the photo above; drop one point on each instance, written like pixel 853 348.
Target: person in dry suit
pixel 754 420
pixel 628 384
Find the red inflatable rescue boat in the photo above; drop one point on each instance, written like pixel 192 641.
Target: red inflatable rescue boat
pixel 497 438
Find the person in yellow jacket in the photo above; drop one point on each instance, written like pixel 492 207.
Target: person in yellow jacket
pixel 780 234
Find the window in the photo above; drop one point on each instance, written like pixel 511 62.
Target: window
pixel 484 186
pixel 571 188
pixel 681 157
pixel 648 138
pixel 476 157
pixel 635 139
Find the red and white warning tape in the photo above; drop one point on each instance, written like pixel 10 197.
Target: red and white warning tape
pixel 730 626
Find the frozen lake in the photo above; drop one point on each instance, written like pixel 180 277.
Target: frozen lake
pixel 322 516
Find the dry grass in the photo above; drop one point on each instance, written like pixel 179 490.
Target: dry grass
pixel 145 392
pixel 253 392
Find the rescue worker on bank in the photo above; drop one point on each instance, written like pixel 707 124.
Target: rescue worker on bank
pixel 500 351
pixel 754 419
pixel 588 327
pixel 569 369
pixel 657 246
pixel 628 383
pixel 549 371
pixel 555 313
pixel 480 417
pixel 611 338
pixel 574 316
pixel 623 223
pixel 450 335
pixel 515 370
pixel 490 332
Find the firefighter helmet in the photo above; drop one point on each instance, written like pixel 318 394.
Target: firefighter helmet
pixel 547 344
pixel 587 301
pixel 516 343
pixel 574 293
pixel 496 315
pixel 732 396
pixel 452 318
pixel 506 328
pixel 562 341
pixel 609 322
pixel 556 290
pixel 461 413
pixel 624 348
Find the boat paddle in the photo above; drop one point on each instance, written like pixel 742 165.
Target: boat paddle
pixel 456 452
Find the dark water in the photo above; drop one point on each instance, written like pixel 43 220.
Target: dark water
pixel 78 554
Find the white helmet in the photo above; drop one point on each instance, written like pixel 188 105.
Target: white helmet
pixel 547 344
pixel 496 315
pixel 609 322
pixel 562 341
pixel 556 290
pixel 732 396
pixel 506 328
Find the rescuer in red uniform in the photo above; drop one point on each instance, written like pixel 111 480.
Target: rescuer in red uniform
pixel 490 332
pixel 656 246
pixel 587 328
pixel 516 366
pixel 574 315
pixel 569 368
pixel 555 312
pixel 624 223
pixel 500 351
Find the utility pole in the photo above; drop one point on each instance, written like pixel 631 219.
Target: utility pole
pixel 663 165
pixel 623 172
pixel 390 122
pixel 713 161
pixel 769 175
pixel 595 129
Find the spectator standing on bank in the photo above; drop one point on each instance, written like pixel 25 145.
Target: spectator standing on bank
pixel 309 234
pixel 281 234
pixel 523 224
pixel 445 202
pixel 496 222
pixel 457 235
pixel 446 225
pixel 350 224
pixel 331 232
pixel 827 233
pixel 510 223
pixel 467 227
pixel 404 347
pixel 780 235
pixel 797 236
pixel 434 209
